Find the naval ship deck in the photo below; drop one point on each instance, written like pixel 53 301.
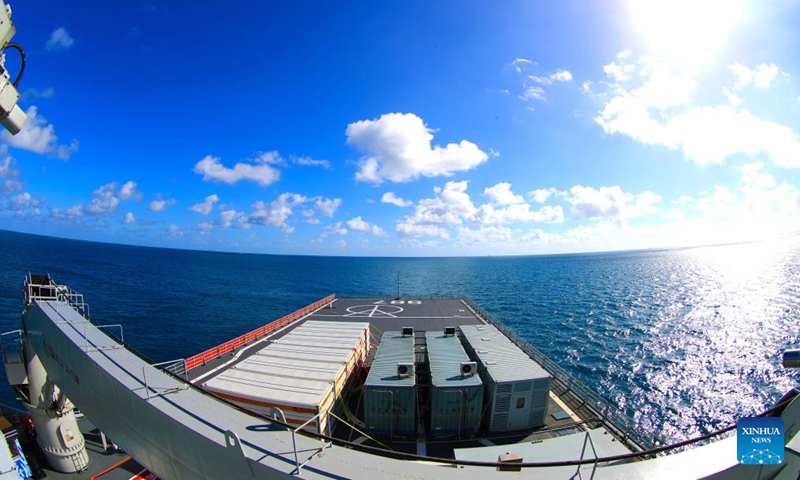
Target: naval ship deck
pixel 567 413
pixel 181 431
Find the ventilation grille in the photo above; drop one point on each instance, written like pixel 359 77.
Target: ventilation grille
pixel 536 418
pixel 539 398
pixel 502 404
pixel 523 386
pixel 500 421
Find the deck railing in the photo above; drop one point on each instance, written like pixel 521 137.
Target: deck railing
pixel 41 287
pixel 638 433
pixel 232 345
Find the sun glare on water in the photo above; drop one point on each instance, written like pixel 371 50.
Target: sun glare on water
pixel 687 32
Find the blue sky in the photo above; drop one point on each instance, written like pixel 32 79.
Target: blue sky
pixel 406 128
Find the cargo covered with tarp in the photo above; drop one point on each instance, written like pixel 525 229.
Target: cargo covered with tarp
pixel 302 374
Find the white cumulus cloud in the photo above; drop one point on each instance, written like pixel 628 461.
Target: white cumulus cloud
pixel 392 199
pixel 501 194
pixel 588 202
pixel 159 204
pixel 327 206
pixel 262 173
pixel 452 205
pixel 74 211
pixel 532 92
pixel 229 218
pixel 270 158
pixel 759 206
pixel 60 39
pixel 397 148
pixel 205 207
pixel 129 219
pixel 361 225
pixel 541 195
pixel 487 214
pixel 334 229
pixel 9 173
pixel 24 201
pixel 277 212
pixel 654 105
pixel 104 200
pixel 620 70
pixel 38 136
pixel 760 76
pixel 128 191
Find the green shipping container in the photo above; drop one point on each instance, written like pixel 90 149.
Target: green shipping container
pixel 456 387
pixel 390 398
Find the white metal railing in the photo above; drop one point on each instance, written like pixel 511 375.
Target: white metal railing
pixel 88 345
pixel 53 292
pixel 167 390
pixel 298 465
pixel 177 368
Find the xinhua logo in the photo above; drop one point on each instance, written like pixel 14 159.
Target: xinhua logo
pixel 760 440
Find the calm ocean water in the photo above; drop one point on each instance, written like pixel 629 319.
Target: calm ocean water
pixel 685 340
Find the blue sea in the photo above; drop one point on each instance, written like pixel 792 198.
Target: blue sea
pixel 684 341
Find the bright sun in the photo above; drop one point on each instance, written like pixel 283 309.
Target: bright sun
pixel 689 32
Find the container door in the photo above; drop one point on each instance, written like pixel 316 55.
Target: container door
pixel 520 408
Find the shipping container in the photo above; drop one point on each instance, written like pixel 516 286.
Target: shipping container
pixel 456 389
pixel 517 387
pixel 390 400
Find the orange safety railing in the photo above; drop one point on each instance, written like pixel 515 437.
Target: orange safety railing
pixel 231 345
